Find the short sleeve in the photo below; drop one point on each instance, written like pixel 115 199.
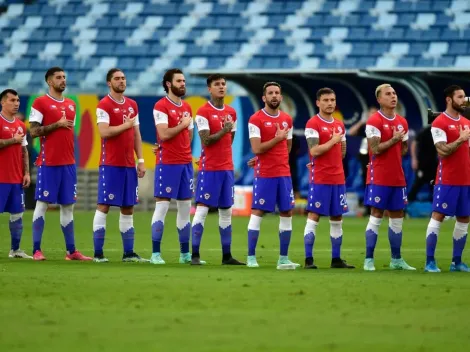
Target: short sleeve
pixel 253 130
pixel 372 131
pixel 102 116
pixel 160 117
pixel 36 115
pixel 438 135
pixel 311 133
pixel 202 123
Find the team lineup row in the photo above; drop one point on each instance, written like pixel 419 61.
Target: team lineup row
pixel 52 118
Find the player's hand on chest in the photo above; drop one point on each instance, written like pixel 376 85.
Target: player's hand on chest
pixel 8 132
pixel 270 126
pixel 122 114
pixel 218 121
pixel 326 132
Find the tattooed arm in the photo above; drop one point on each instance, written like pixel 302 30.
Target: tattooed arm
pixel 404 147
pixel 25 160
pixel 37 130
pixel 444 149
pixel 320 149
pixel 208 139
pixel 343 148
pixel 7 142
pixel 377 148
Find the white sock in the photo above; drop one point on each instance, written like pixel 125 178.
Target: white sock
pixel 200 215
pixel 374 224
pixel 285 223
pixel 40 210
pixel 434 226
pixel 183 215
pixel 255 223
pixel 336 228
pixel 99 221
pixel 159 214
pixel 396 225
pixel 126 222
pixel 66 214
pixel 15 217
pixel 225 218
pixel 460 230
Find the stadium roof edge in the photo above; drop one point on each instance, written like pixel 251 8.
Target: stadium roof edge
pixel 231 72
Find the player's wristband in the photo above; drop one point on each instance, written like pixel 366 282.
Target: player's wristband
pixel 141 161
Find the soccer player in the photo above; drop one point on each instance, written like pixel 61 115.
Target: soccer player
pixel 174 169
pixel 270 132
pixel 52 118
pixel 327 191
pixel 451 132
pixel 216 123
pixel 387 137
pixel 14 174
pixel 118 124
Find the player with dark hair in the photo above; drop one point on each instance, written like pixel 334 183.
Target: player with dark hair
pixel 216 123
pixel 174 169
pixel 118 125
pixel 14 174
pixel 451 134
pixel 52 118
pixel 270 132
pixel 387 136
pixel 327 190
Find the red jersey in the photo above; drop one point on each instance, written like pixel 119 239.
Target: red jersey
pixel 386 169
pixel 176 150
pixel 218 156
pixel 117 150
pixel 58 147
pixel 453 170
pixel 11 157
pixel 327 169
pixel 275 162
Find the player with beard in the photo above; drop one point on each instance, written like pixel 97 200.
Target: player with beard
pixel 270 132
pixel 387 136
pixel 14 174
pixel 216 123
pixel 118 125
pixel 52 118
pixel 451 133
pixel 327 190
pixel 173 169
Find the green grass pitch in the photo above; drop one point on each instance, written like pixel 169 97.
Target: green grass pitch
pixel 71 306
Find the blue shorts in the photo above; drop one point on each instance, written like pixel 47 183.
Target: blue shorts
pixel 118 186
pixel 174 181
pixel 451 200
pixel 327 200
pixel 271 191
pixel 386 197
pixel 57 184
pixel 215 188
pixel 11 198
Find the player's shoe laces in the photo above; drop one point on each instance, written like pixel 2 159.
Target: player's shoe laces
pixel 431 267
pixel 338 263
pixel 132 257
pixel 19 254
pixel 77 256
pixel 231 261
pixel 369 264
pixel 309 264
pixel 400 264
pixel 459 267
pixel 285 264
pixel 38 256
pixel 156 258
pixel 251 262
pixel 100 259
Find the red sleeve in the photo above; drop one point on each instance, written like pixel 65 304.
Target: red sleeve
pixel 135 106
pixel 254 120
pixel 374 121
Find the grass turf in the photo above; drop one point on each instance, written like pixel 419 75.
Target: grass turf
pixel 57 305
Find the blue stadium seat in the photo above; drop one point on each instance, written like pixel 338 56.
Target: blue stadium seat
pixel 287 63
pixel 418 48
pixel 379 48
pixel 446 61
pixel 272 63
pixel 349 63
pixel 127 63
pixel 360 49
pixel 458 48
pixel 215 62
pixel 407 61
pixel 50 22
pixel 255 63
pixel 23 64
pixel 365 62
pixel 106 49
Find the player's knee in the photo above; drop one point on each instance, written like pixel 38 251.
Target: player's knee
pixel 373 220
pixel 257 212
pixel 378 213
pixel 201 213
pixel 438 216
pixel 314 216
pixel 103 208
pixel 127 210
pixel 286 213
pixel 396 224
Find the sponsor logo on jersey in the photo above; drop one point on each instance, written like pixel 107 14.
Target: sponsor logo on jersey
pixel 116 110
pixel 53 107
pixel 386 125
pixel 268 124
pixel 452 127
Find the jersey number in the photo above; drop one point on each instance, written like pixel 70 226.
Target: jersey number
pixel 342 200
pixel 191 184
